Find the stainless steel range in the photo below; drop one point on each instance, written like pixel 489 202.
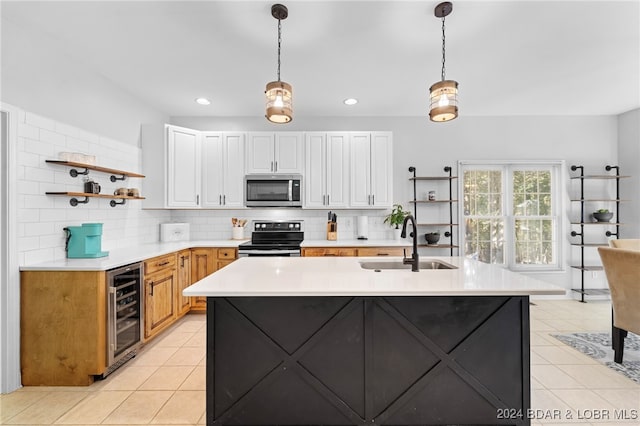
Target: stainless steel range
pixel 274 238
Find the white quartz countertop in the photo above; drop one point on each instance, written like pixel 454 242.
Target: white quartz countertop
pixel 357 243
pixel 125 256
pixel 343 276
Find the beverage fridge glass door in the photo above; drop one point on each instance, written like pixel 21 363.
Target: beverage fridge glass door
pixel 125 311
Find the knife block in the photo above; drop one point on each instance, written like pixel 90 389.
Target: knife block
pixel 332 231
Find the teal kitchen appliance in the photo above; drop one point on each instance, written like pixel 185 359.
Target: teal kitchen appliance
pixel 85 241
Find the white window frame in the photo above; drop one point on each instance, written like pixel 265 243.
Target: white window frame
pixel 556 167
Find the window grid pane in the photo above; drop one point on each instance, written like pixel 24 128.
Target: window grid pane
pixel 533 224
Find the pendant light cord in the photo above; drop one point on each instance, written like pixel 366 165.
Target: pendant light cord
pixel 443 51
pixel 279 43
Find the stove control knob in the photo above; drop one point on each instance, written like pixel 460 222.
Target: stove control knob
pixel 291 225
pixel 264 225
pixel 297 226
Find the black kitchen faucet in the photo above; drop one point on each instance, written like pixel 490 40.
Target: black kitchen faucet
pixel 414 259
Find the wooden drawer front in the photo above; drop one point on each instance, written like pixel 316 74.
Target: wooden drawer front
pixel 380 251
pixel 323 251
pixel 158 263
pixel 227 253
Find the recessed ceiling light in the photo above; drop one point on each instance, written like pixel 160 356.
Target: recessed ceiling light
pixel 203 101
pixel 350 101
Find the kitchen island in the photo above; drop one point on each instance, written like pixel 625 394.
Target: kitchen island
pixel 309 341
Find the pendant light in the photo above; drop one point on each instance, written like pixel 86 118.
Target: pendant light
pixel 443 95
pixel 279 94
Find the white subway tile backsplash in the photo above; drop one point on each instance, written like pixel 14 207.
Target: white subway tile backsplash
pixel 28 131
pixel 39 256
pixel 42 148
pixel 53 138
pixel 28 243
pixel 38 229
pixel 40 201
pixel 77 145
pixel 28 187
pixel 66 129
pixel 39 121
pixel 35 174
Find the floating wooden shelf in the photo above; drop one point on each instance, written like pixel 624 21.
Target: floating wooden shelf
pixel 437 224
pixel 433 201
pixel 600 177
pixel 74 200
pixel 438 245
pixel 597 223
pixel 114 172
pixel 590 245
pixel 600 199
pixel 588 267
pixel 433 178
pixel 592 291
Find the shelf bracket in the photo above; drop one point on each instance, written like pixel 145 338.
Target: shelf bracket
pixel 611 234
pixel 114 203
pixel 114 178
pixel 75 173
pixel 575 234
pixel 74 201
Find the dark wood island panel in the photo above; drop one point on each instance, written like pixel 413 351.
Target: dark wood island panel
pixel 368 360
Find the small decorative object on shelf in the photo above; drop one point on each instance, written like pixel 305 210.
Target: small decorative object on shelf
pixel 432 237
pixel 602 215
pixel 599 218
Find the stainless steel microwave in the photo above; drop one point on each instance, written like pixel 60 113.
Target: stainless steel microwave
pixel 273 190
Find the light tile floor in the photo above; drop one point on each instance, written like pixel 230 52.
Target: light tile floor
pixel 165 383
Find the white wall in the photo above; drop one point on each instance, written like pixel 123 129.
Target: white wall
pixel 629 154
pixel 39 78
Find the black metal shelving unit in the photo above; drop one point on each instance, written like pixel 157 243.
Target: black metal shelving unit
pixel 450 201
pixel 583 222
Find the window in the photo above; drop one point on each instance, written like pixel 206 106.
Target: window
pixel 511 214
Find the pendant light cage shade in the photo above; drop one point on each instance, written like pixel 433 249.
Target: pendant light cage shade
pixel 279 95
pixel 279 104
pixel 443 104
pixel 443 95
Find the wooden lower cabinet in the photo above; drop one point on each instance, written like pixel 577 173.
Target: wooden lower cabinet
pixel 183 303
pixel 353 251
pixel 328 251
pixel 206 261
pixel 62 327
pixel 160 307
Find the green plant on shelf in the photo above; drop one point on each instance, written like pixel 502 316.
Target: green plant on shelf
pixel 397 216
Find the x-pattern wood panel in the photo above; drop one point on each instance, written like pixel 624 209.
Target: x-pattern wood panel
pixel 353 323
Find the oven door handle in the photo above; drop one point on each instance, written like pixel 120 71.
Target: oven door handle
pixel 271 252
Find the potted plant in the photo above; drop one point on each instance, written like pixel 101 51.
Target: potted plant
pixel 396 218
pixel 602 215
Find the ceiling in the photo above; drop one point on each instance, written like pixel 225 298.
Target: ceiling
pixel 509 57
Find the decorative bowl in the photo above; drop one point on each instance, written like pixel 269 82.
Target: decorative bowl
pixel 602 217
pixel 432 237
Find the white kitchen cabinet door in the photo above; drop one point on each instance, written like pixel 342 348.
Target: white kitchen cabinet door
pixel 315 192
pixel 222 170
pixel 326 169
pixel 183 167
pixel 381 169
pixel 280 152
pixel 337 169
pixel 288 153
pixel 360 173
pixel 233 170
pixel 371 170
pixel 260 152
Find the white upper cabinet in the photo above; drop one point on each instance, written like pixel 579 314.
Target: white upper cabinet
pixel 191 169
pixel 371 170
pixel 280 152
pixel 183 167
pixel 222 170
pixel 327 169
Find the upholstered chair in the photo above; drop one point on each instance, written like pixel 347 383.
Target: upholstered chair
pixel 628 243
pixel 622 268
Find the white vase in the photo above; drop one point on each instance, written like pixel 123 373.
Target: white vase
pixel 396 233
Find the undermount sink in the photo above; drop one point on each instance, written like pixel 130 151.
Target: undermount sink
pixel 397 264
